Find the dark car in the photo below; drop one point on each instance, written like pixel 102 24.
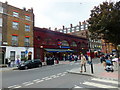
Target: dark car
pixel 30 64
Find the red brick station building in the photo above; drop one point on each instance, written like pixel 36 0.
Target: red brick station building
pixel 52 43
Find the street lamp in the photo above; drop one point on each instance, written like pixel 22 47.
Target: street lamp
pixel 90 56
pixel 90 52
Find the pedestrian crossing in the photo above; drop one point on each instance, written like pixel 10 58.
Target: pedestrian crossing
pixel 98 83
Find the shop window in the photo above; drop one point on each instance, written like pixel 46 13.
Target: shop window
pixel 65 43
pixel 74 44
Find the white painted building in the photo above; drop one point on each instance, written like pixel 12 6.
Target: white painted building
pixel 14 53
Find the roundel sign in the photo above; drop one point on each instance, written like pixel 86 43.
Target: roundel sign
pixel 59 43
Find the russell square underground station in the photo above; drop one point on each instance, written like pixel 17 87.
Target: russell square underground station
pixel 49 43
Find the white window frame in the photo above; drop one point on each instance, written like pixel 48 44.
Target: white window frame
pixel 0 22
pixel 27 27
pixel 1 9
pixel 15 14
pixel 15 25
pixel 27 17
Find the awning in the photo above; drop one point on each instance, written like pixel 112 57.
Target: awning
pixel 59 50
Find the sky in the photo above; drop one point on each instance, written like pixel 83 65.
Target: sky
pixel 56 13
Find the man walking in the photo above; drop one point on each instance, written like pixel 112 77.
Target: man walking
pixel 83 63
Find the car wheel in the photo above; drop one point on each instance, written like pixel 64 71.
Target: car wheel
pixel 40 65
pixel 26 67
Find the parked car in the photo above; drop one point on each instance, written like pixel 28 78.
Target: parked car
pixel 30 64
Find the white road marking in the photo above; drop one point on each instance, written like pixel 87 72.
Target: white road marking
pixel 98 85
pixel 40 81
pixel 65 72
pixel 13 86
pixel 107 81
pixel 77 86
pixel 45 77
pixel 29 84
pixel 26 82
pixel 59 73
pixel 36 80
pixel 57 76
pixel 17 86
pixel 52 76
pixel 48 78
pixel 62 75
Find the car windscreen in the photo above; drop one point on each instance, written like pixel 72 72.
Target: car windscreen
pixel 27 62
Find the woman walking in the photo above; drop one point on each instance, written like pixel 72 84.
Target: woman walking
pixel 83 63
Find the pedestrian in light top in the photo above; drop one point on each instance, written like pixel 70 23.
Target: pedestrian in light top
pixel 83 63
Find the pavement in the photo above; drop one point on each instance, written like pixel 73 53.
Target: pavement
pixel 98 71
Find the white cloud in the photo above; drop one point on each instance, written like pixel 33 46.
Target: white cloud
pixel 55 13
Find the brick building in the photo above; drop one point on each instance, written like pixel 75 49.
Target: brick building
pixel 52 43
pixel 0 31
pixel 81 30
pixel 17 33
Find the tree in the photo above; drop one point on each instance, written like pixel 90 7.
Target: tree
pixel 105 21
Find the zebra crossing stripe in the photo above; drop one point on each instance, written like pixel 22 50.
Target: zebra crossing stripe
pixel 15 86
pixel 98 85
pixel 77 86
pixel 106 81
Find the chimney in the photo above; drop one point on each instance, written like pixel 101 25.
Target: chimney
pixel 71 25
pixel 55 29
pixel 6 2
pixel 24 8
pixel 49 28
pixel 80 23
pixel 63 27
pixel 32 10
pixel 83 22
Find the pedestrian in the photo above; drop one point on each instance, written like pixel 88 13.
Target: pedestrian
pixel 102 60
pixel 9 62
pixel 70 57
pixel 76 58
pixel 18 62
pixel 83 63
pixel 64 57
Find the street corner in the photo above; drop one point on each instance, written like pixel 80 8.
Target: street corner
pixel 8 69
pixel 77 71
pixel 109 75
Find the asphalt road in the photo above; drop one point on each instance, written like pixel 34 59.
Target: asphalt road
pixel 55 76
pixel 52 76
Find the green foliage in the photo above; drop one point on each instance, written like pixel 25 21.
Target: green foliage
pixel 105 21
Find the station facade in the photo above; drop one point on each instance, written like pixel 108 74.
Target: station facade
pixel 48 43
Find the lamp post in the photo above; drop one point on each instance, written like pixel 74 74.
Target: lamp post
pixel 90 52
pixel 90 55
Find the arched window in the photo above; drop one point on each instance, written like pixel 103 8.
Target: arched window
pixel 48 41
pixel 65 43
pixel 74 44
pixel 83 44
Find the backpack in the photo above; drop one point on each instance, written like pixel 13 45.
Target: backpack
pixel 86 57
